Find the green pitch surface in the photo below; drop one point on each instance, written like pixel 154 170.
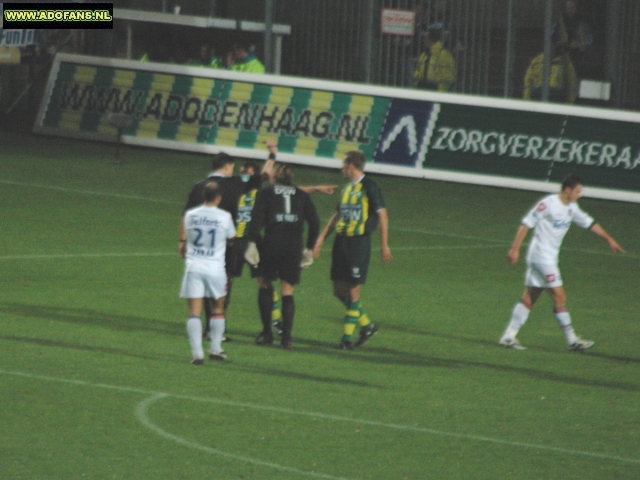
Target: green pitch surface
pixel 94 359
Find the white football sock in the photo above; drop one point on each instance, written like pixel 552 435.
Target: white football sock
pixel 194 329
pixel 564 320
pixel 217 326
pixel 519 316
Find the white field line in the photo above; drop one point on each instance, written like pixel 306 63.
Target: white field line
pixel 141 413
pixel 90 192
pixel 86 255
pixel 323 416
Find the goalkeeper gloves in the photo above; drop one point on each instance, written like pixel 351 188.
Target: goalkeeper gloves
pixel 251 255
pixel 307 258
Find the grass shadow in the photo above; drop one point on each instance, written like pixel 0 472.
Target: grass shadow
pixel 89 348
pixel 80 316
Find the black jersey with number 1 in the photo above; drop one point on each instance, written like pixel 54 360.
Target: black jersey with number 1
pixel 282 210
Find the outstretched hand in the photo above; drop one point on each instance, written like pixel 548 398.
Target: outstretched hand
pixel 327 189
pixel 613 245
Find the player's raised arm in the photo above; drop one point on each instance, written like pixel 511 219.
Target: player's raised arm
pixel 601 232
pixel 385 251
pixel 514 252
pixel 328 230
pixel 267 169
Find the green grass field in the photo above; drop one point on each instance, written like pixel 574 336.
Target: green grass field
pixel 94 359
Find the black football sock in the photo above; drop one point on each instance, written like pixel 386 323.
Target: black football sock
pixel 288 312
pixel 265 304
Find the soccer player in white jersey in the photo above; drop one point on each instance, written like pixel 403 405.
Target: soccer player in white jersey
pixel 550 220
pixel 204 234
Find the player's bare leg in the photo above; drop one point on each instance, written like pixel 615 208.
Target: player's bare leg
pixel 208 311
pixel 217 325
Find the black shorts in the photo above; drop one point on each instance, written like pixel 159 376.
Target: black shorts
pixel 234 258
pixel 280 260
pixel 350 259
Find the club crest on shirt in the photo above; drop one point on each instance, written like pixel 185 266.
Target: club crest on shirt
pixel 541 207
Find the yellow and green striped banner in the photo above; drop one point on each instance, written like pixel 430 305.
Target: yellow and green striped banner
pixel 221 112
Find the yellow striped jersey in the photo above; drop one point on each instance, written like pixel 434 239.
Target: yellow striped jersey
pixel 358 208
pixel 245 207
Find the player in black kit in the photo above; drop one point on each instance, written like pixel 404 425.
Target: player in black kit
pixel 281 210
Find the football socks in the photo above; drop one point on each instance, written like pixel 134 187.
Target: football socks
pixel 519 316
pixel 276 314
pixel 350 320
pixel 288 312
pixel 194 330
pixel 265 304
pixel 564 320
pixel 217 324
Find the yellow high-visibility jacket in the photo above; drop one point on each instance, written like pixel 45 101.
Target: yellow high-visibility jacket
pixel 435 70
pixel 563 80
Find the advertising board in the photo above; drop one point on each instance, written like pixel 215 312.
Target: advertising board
pixel 462 138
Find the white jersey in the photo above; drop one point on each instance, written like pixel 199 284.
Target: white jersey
pixel 551 219
pixel 208 229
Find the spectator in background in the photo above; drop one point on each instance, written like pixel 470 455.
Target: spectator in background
pixel 436 68
pixel 242 59
pixel 574 29
pixel 206 58
pixel 563 81
pixel 434 11
pixel 575 32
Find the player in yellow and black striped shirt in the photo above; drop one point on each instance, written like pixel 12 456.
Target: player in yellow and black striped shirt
pixel 360 210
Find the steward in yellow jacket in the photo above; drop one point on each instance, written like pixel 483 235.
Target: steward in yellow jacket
pixel 240 60
pixel 436 68
pixel 563 80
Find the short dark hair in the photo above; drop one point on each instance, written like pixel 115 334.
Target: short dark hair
pixel 252 165
pixel 572 181
pixel 211 191
pixel 356 158
pixel 284 174
pixel 220 160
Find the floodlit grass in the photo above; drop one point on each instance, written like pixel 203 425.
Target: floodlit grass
pixel 94 359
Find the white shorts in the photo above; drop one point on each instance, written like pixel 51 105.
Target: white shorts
pixel 542 276
pixel 201 285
